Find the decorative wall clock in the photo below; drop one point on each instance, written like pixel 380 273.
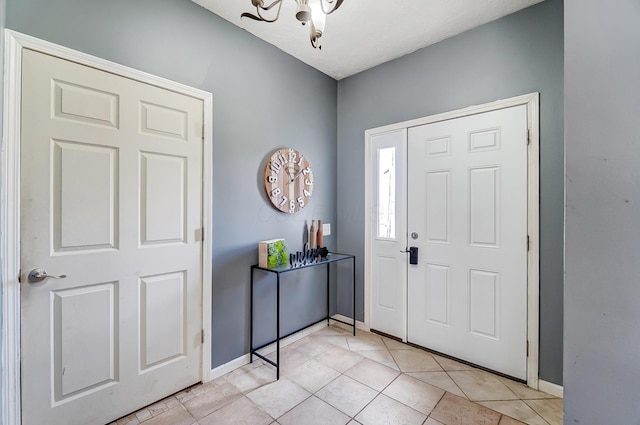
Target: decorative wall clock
pixel 288 180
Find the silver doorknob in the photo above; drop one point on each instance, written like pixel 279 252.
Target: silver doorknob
pixel 38 275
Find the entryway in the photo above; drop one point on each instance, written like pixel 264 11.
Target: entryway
pixel 108 285
pixel 451 257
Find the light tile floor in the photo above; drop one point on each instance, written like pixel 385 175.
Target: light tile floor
pixel 331 377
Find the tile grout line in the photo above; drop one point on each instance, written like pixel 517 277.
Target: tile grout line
pixel 307 398
pixel 434 407
pixel 450 377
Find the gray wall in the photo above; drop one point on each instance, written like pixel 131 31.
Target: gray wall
pixel 263 100
pixel 521 53
pixel 602 290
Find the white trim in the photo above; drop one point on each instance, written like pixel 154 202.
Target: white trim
pixel 293 338
pixel 368 211
pixel 10 233
pixel 359 325
pixel 551 388
pixel 245 359
pixel 470 110
pixel 207 234
pixel 229 366
pixel 531 100
pixel 533 230
pixel 15 42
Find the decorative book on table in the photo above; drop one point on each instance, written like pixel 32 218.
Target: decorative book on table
pixel 272 253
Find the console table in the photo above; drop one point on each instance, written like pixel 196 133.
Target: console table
pixel 331 258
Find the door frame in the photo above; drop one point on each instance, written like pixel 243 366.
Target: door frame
pixel 15 42
pixel 532 102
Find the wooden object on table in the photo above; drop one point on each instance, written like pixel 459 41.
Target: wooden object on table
pixel 319 239
pixel 272 253
pixel 313 234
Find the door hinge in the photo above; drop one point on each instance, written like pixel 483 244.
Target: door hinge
pixel 528 242
pixel 528 137
pixel 203 132
pixel 527 348
pixel 20 276
pixel 202 336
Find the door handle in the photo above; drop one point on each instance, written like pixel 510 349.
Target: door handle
pixel 413 254
pixel 38 275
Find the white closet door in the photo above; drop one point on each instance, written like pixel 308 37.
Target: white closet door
pixel 111 173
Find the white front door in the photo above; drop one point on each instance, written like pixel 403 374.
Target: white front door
pixel 387 263
pixel 111 175
pixel 467 215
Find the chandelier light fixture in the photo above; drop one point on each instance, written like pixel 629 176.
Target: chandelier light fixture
pixel 310 12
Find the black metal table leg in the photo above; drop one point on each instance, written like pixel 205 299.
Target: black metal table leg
pixel 251 318
pixel 278 328
pixel 354 296
pixel 328 298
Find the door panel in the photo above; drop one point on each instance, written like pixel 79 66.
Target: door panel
pixel 388 265
pixel 86 209
pixel 84 317
pixel 484 297
pixel 438 294
pixel 438 193
pixel 85 104
pixel 163 320
pixel 163 183
pixel 484 202
pixel 111 174
pixel 467 202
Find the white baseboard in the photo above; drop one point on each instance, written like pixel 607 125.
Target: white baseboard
pixel 229 366
pixel 550 388
pixel 245 359
pixel 359 325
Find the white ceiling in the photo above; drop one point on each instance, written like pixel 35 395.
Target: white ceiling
pixel 364 33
